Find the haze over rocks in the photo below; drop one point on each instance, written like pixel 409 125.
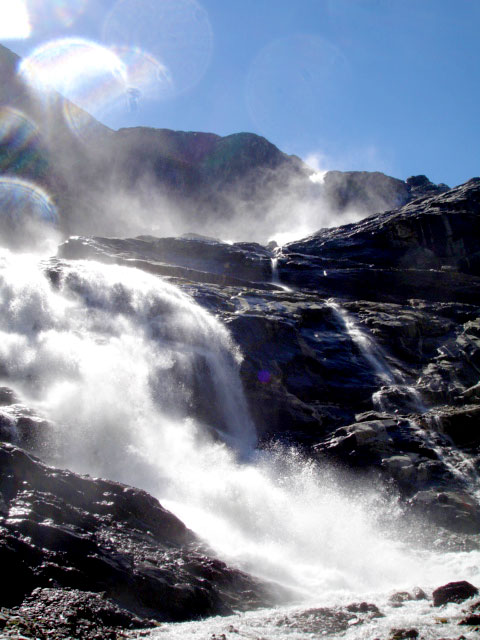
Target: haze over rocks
pixel 360 345
pixel 134 180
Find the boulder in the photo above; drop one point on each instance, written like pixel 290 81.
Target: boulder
pixel 452 509
pixel 461 424
pixel 61 530
pixel 453 592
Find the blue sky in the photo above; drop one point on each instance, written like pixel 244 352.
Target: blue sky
pixel 389 85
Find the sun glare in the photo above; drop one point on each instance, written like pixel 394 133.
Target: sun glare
pixel 15 21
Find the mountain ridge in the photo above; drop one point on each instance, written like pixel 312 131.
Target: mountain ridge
pixel 240 180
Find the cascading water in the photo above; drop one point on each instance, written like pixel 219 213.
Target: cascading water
pixel 142 385
pixel 392 378
pixel 275 275
pixel 396 391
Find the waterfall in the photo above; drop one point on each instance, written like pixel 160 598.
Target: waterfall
pixel 393 381
pixel 141 385
pixel 396 392
pixel 367 346
pixel 276 277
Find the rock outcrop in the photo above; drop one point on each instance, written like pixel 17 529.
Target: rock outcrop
pixel 60 530
pixel 370 359
pixel 361 346
pixel 191 179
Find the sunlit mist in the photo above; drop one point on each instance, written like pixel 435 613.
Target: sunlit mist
pixel 90 75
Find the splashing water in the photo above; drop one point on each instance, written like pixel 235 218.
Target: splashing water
pixel 139 382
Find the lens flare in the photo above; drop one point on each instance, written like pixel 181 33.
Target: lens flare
pixel 147 78
pixel 176 34
pixel 28 217
pixel 19 143
pixel 48 14
pixel 89 75
pixel 15 22
pixel 18 134
pixel 20 199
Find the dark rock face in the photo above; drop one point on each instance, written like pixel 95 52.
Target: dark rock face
pixel 59 530
pixel 393 406
pixel 383 379
pixel 451 509
pixel 372 191
pixel 364 190
pixel 453 592
pixel 69 613
pixel 427 249
pixel 436 232
pixel 421 187
pixel 194 258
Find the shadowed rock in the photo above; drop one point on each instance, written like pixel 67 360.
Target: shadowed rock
pixel 58 529
pixel 453 592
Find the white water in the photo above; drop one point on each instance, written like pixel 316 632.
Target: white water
pixel 366 345
pixel 295 623
pixel 458 463
pixel 391 376
pixel 118 360
pixel 276 276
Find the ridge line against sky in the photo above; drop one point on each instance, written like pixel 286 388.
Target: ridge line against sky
pixel 387 85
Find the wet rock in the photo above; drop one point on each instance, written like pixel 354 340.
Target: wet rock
pixel 453 592
pixel 23 426
pixel 397 599
pixel 365 607
pixel 454 510
pixel 323 620
pixel 401 634
pixel 63 613
pixel 67 531
pixel 460 423
pixel 419 594
pixel 7 396
pixel 197 259
pixel 422 235
pixel 473 620
pixel 364 443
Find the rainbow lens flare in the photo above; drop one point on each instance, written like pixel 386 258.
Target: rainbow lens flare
pixel 51 14
pixel 21 201
pixel 176 34
pixel 28 217
pixel 90 76
pixel 19 143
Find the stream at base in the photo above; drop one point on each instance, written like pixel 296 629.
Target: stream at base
pixel 324 621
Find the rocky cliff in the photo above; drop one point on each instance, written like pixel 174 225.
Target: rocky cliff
pixel 361 346
pixel 104 180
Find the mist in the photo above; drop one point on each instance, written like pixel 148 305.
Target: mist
pixel 289 208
